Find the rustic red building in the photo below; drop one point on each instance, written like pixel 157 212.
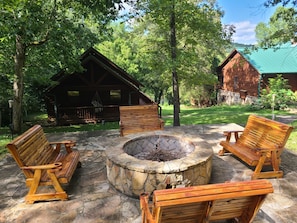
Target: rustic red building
pixel 244 73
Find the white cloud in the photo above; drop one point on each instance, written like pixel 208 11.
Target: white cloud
pixel 245 32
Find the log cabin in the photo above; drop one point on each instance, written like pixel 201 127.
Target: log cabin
pixel 93 95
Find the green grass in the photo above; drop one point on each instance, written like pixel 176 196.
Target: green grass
pixel 5 137
pixel 292 141
pixel 80 128
pixel 225 114
pixel 188 116
pixel 215 114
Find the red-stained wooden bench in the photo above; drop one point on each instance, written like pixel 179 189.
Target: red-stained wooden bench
pixel 237 201
pixel 259 144
pixel 139 118
pixel 44 163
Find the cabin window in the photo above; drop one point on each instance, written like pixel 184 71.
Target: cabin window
pixel 73 98
pixel 73 93
pixel 115 95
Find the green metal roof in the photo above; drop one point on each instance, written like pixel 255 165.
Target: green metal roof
pixel 278 60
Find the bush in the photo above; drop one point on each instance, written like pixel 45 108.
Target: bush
pixel 257 105
pixel 278 95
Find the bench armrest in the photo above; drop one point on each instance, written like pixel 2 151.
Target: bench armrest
pixel 228 134
pixel 268 150
pixel 145 208
pixel 69 144
pixel 43 167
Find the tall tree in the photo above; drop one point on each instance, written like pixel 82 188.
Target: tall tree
pixel 56 30
pixel 183 38
pixel 173 49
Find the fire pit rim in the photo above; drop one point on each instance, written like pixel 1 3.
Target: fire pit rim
pixel 202 151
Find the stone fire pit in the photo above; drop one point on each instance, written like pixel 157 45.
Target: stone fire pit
pixel 158 160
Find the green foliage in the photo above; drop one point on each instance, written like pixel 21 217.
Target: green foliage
pixel 278 95
pixel 201 96
pixel 122 47
pixel 280 29
pixel 200 39
pixel 39 38
pixel 270 3
pixel 292 141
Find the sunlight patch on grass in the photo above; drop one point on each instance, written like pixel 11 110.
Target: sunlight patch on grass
pixel 292 141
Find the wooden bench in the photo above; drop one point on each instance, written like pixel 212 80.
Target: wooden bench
pixel 44 163
pixel 237 201
pixel 139 118
pixel 259 144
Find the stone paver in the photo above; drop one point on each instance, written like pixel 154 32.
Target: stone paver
pixel 93 199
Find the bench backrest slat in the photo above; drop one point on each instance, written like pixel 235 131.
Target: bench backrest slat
pixel 137 112
pixel 31 151
pixel 139 118
pixel 32 148
pixel 212 202
pixel 261 132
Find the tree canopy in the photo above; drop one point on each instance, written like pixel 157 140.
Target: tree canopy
pixel 164 38
pixel 38 37
pixel 281 28
pixel 182 40
pixel 270 3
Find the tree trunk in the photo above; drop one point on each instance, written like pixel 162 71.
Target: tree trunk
pixel 176 103
pixel 160 96
pixel 157 95
pixel 18 85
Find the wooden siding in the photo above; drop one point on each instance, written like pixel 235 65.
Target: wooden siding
pixel 292 80
pixel 102 85
pixel 238 75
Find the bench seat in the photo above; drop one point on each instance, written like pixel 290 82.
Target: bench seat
pixel 245 154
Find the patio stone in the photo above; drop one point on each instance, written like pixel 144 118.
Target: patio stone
pixel 93 199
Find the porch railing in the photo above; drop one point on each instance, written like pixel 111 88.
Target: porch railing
pixel 87 114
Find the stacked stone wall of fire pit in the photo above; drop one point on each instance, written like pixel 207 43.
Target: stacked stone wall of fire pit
pixel 158 160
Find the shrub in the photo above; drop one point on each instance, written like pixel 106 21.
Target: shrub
pixel 278 94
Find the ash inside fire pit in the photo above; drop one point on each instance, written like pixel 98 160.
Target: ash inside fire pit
pixel 158 148
pixel 159 155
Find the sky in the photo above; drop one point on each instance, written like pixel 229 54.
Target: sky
pixel 245 15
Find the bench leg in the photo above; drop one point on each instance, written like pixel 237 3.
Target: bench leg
pixel 276 173
pixel 32 196
pixel 33 187
pixel 222 152
pixel 253 209
pixel 270 174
